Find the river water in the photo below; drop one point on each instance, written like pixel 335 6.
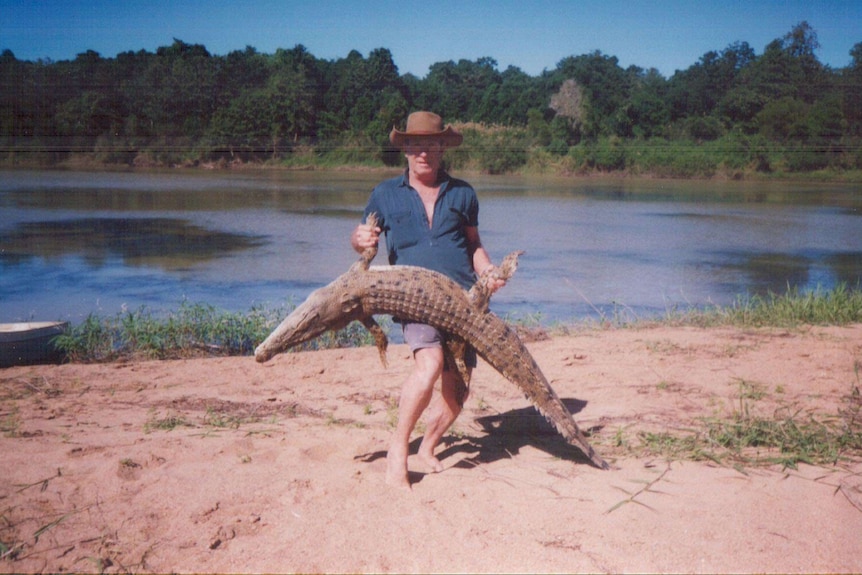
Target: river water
pixel 75 243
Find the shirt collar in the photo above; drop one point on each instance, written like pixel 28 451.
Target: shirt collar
pixel 443 177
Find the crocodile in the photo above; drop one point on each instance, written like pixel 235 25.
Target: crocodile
pixel 422 295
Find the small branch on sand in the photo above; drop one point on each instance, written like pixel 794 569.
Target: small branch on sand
pixel 632 496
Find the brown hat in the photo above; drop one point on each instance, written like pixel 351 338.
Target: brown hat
pixel 426 125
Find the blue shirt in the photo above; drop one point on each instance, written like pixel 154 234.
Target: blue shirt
pixel 410 240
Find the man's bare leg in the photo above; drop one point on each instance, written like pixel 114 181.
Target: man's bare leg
pixel 444 409
pixel 415 396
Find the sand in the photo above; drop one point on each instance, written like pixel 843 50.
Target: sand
pixel 226 465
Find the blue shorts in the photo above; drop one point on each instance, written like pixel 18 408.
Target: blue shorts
pixel 420 336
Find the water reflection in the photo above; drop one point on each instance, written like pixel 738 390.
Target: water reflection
pixel 131 192
pixel 171 244
pixel 775 272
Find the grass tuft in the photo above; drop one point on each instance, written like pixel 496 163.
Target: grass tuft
pixel 167 423
pixel 838 306
pixel 745 439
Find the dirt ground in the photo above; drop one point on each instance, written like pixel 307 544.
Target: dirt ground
pixel 226 465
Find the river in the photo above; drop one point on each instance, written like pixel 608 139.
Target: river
pixel 76 243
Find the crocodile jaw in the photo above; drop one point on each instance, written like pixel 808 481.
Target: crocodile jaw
pixel 325 309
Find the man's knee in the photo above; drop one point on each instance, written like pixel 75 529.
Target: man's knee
pixel 429 363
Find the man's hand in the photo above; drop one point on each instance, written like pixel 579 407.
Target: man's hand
pixel 364 236
pixel 496 282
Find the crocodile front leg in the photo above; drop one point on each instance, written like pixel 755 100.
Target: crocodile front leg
pixel 480 293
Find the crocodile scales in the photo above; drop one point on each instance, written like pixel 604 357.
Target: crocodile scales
pixel 422 295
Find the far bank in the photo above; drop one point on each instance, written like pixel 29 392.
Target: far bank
pixel 486 151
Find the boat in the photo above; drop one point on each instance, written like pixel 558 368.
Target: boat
pixel 28 343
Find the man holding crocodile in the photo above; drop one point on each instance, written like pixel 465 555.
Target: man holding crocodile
pixel 430 220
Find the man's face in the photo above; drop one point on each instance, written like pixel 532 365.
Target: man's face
pixel 424 155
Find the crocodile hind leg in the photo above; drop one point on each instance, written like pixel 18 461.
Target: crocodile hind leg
pixel 454 352
pixel 380 339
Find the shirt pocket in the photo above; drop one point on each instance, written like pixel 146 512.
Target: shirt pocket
pixel 452 221
pixel 404 230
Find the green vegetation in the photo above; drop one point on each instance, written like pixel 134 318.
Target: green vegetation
pixel 202 330
pixel 744 438
pixel 839 306
pixel 193 330
pixel 733 113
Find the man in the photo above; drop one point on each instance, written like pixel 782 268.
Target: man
pixel 431 220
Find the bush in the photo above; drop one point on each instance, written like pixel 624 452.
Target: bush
pixel 501 152
pixel 558 147
pixel 609 154
pixel 673 159
pixel 738 151
pixel 704 129
pixel 802 159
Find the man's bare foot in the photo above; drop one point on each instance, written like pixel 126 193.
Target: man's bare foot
pixel 432 462
pixel 396 470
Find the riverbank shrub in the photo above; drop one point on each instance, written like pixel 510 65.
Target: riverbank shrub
pixel 838 306
pixel 509 150
pixel 489 149
pixel 201 330
pixel 841 305
pixel 194 330
pixel 672 159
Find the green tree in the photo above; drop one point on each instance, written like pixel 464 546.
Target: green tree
pixel 361 96
pixel 14 94
pixel 698 90
pixel 242 70
pixel 606 88
pixel 515 95
pixel 267 120
pixel 177 92
pixel 739 106
pixel 789 68
pixel 851 82
pixel 783 120
pixel 462 91
pixel 183 98
pixel 646 114
pixel 826 121
pixel 538 129
pixel 92 103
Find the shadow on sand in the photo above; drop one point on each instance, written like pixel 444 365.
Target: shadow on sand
pixel 505 435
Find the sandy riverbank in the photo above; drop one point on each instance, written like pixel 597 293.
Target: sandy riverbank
pixel 225 465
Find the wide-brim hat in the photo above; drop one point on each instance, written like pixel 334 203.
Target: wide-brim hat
pixel 426 125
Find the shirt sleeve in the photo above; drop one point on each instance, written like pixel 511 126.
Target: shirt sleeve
pixel 473 211
pixel 374 207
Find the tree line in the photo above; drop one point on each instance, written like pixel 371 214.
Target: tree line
pixel 731 111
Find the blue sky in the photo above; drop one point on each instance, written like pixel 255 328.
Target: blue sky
pixel 532 35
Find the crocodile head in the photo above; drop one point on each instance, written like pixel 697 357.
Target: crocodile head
pixel 328 308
